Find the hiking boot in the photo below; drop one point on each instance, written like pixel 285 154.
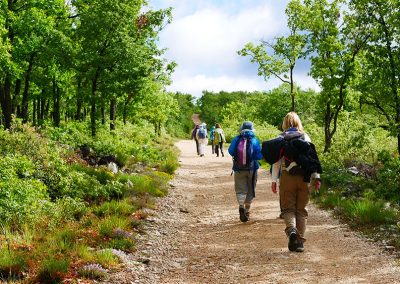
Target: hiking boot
pixel 300 246
pixel 292 245
pixel 242 215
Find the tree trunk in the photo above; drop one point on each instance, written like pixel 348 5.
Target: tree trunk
pixel 38 109
pixel 113 107
pixel 79 102
pixel 93 103
pixel 42 107
pixel 327 122
pixel 125 111
pixel 103 114
pixel 56 104
pixel 6 104
pixel 34 112
pixel 5 93
pixel 25 95
pixel 292 94
pixel 15 107
pixel 46 109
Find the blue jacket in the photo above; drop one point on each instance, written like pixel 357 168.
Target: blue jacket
pixel 255 144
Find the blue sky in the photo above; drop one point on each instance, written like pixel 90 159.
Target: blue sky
pixel 205 35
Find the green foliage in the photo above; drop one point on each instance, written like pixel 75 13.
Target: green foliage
pixel 389 177
pixel 64 239
pixel 106 258
pixel 366 212
pixel 64 210
pixel 21 195
pixel 180 125
pixel 119 208
pixel 153 183
pixel 124 244
pixel 266 110
pixel 12 264
pixel 109 224
pixel 52 270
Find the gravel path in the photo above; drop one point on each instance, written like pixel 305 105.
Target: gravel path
pixel 195 236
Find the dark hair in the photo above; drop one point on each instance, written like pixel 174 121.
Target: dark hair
pixel 217 125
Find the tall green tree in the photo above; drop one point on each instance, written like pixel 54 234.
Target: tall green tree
pixel 278 59
pixel 29 28
pixel 335 42
pixel 115 38
pixel 380 77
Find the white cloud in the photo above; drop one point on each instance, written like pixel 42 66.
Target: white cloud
pixel 205 36
pixel 195 84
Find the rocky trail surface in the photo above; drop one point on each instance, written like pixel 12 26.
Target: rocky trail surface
pixel 195 236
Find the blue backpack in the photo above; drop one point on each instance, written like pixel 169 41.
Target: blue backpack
pixel 243 154
pixel 202 133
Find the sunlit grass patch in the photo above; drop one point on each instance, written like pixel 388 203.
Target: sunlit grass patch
pixel 114 207
pixel 106 258
pixel 126 244
pixel 366 212
pixel 108 225
pixel 12 264
pixel 52 270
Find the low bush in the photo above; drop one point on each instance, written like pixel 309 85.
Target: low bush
pixel 52 270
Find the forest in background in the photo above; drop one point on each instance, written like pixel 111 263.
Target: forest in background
pixel 88 139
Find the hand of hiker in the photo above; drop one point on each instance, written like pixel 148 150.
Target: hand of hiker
pixel 317 184
pixel 273 187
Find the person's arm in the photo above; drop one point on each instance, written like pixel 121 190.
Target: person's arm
pixel 276 167
pixel 231 149
pixel 314 176
pixel 257 150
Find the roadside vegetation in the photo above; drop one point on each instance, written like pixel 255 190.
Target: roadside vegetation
pixel 66 214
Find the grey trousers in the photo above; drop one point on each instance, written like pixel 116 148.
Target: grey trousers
pixel 245 186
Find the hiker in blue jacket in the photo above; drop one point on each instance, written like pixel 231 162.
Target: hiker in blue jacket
pixel 246 151
pixel 211 136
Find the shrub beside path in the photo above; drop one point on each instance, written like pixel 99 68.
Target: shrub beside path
pixel 195 236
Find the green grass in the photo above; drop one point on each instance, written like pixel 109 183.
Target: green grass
pixel 114 207
pixel 107 225
pixel 367 212
pixel 52 270
pixel 12 264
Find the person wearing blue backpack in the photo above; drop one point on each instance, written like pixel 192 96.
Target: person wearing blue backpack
pixel 211 136
pixel 246 151
pixel 202 139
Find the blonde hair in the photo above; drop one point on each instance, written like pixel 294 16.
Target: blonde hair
pixel 292 120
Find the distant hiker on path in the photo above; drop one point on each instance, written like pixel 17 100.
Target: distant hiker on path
pixel 297 166
pixel 194 136
pixel 219 139
pixel 202 139
pixel 212 139
pixel 245 150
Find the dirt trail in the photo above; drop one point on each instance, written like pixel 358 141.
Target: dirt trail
pixel 195 236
